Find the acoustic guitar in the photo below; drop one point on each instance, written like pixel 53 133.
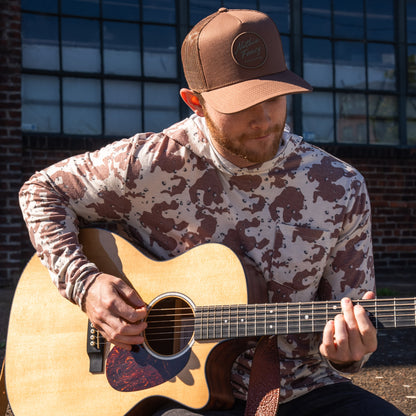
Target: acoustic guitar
pixel 58 364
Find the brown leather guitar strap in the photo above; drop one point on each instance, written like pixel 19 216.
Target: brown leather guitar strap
pixel 264 385
pixel 3 396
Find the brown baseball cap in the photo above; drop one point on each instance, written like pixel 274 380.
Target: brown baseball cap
pixel 234 59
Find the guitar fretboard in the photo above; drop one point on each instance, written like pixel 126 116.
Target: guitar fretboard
pixel 236 321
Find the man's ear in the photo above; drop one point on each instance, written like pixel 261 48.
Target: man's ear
pixel 192 101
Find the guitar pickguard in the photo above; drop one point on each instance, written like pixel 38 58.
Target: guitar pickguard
pixel 132 371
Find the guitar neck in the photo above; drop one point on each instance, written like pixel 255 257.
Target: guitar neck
pixel 236 321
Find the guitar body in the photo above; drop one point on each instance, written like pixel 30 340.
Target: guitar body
pixel 47 365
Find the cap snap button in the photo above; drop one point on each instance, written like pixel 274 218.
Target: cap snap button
pixel 222 10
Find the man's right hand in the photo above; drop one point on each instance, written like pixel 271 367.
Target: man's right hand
pixel 116 310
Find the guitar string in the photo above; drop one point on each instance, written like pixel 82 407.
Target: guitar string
pixel 191 325
pixel 233 324
pixel 216 333
pixel 294 313
pixel 290 311
pixel 298 308
pixel 233 329
pixel 220 318
pixel 289 306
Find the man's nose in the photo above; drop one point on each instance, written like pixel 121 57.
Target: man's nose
pixel 260 116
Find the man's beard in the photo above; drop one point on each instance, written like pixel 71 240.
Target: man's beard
pixel 237 145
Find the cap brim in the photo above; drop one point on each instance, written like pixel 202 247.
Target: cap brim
pixel 238 97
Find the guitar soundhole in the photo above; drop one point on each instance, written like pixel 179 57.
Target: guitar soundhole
pixel 170 326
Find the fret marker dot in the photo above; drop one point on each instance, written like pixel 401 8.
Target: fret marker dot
pixel 242 319
pixel 225 320
pixel 334 307
pixel 306 316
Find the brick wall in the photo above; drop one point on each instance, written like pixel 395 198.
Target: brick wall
pixel 392 186
pixel 391 180
pixel 10 140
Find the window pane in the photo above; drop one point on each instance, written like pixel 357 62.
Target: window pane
pixel 411 67
pixel 40 46
pixel 241 4
pixel 384 119
pixel 81 45
pixel 349 65
pixel 279 11
pixel 381 66
pixel 161 106
pixel 159 51
pixel 411 120
pixel 316 17
pixel 159 11
pixel 50 6
pixel 286 49
pixel 349 19
pixel 122 107
pixel 81 7
pixel 318 117
pixel 82 106
pixel 351 118
pixel 198 9
pixel 380 20
pixel 122 48
pixel 122 10
pixel 40 104
pixel 411 21
pixel 317 62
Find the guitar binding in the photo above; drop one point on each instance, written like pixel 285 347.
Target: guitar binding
pixel 170 326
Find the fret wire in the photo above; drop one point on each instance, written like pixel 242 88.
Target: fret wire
pixel 206 320
pixel 233 322
pixel 246 321
pixel 287 318
pixel 198 324
pixel 237 321
pixel 313 319
pixel 276 319
pixel 395 313
pixel 229 322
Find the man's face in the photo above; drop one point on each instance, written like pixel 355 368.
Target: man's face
pixel 250 136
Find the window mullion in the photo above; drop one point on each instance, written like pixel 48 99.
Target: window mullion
pixel 401 65
pixel 296 59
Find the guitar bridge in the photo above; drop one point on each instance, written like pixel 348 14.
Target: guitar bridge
pixel 95 349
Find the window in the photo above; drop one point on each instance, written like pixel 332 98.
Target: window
pixel 350 58
pixel 411 72
pixel 99 67
pixel 112 68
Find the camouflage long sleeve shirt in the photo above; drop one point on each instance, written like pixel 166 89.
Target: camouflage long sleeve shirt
pixel 301 220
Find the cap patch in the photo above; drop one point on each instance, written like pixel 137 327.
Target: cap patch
pixel 249 50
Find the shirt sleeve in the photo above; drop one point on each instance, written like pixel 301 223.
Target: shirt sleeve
pixel 350 270
pixel 88 187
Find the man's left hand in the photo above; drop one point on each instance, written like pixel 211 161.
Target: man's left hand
pixel 350 336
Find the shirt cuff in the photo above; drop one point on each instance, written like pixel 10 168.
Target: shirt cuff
pixel 350 368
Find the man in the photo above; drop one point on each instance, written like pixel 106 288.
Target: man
pixel 298 218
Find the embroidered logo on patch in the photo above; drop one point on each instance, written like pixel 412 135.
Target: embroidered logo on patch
pixel 249 50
